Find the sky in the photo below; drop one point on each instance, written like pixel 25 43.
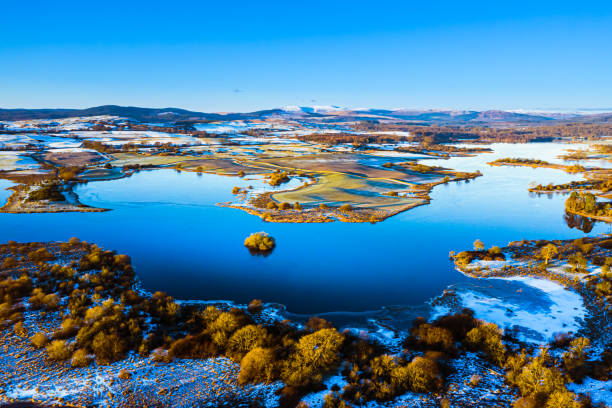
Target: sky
pixel 244 56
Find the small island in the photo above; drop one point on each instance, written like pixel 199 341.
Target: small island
pixel 516 161
pixel 260 242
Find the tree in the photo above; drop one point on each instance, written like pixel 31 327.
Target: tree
pixel 257 366
pixel 478 245
pixel 345 207
pixel 423 375
pixel 574 358
pixel 590 203
pixel 320 349
pixel 223 326
pixel 260 241
pixel 314 353
pixel 245 339
pixel 563 399
pixel 20 330
pixel 495 250
pixel 548 251
pixel 434 337
pixel 487 337
pixel 578 262
pixel 537 380
pixel 108 347
pixel 276 179
pixel 255 306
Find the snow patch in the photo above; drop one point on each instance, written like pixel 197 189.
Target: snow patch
pixel 600 391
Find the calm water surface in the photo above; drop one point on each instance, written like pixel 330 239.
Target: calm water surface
pixel 182 243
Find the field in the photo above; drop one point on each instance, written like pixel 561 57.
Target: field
pixel 376 183
pixel 337 189
pixel 354 164
pixel 12 161
pixel 73 157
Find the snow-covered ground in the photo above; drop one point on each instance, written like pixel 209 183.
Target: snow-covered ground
pixel 316 399
pixel 67 124
pixel 25 374
pixel 600 391
pixel 539 314
pixel 121 137
pixel 237 126
pixel 10 161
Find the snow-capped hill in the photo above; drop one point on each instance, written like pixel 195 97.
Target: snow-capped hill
pixel 328 108
pixel 291 108
pixel 312 109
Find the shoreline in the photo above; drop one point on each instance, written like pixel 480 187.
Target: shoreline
pixel 355 215
pixel 526 266
pixel 17 203
pixel 161 377
pixel 586 215
pixel 564 167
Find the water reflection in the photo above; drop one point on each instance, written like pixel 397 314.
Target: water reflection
pixel 256 252
pixel 580 222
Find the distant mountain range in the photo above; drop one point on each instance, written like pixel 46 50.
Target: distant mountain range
pixel 441 117
pixel 169 115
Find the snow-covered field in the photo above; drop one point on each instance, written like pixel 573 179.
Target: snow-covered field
pixel 546 309
pixel 67 124
pixel 558 310
pixel 25 374
pixel 121 137
pixel 237 126
pixel 10 161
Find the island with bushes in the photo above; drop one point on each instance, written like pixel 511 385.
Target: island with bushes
pixel 260 242
pixel 515 161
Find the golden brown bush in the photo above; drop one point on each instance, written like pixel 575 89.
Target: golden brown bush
pixel 487 337
pixel 260 241
pixel 9 262
pixel 257 366
pixel 80 358
pixel 39 340
pixel 108 347
pixel 58 350
pixel 245 339
pixel 423 375
pixel 434 337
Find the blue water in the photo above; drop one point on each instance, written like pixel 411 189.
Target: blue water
pixel 181 242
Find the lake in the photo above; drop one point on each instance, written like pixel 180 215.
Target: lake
pixel 181 242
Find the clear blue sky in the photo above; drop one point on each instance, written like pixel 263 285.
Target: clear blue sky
pixel 239 56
